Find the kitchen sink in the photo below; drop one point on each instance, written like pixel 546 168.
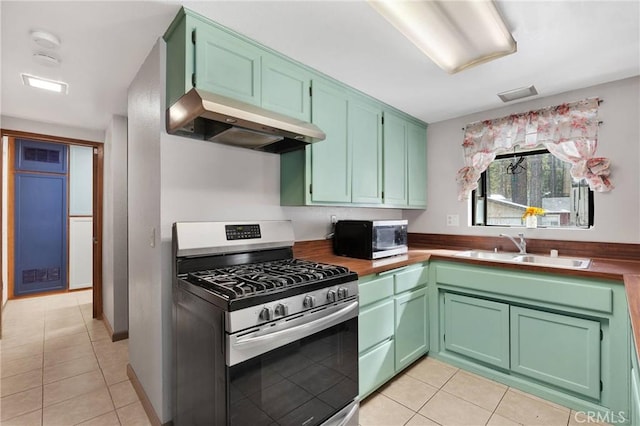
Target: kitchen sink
pixel 530 259
pixel 487 255
pixel 560 262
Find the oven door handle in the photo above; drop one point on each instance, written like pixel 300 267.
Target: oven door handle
pixel 245 347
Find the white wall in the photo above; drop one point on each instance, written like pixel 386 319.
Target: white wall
pixel 179 179
pixel 115 279
pixel 5 197
pixel 148 321
pixel 616 212
pixel 41 127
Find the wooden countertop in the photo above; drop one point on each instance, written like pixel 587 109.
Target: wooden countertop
pixel 626 272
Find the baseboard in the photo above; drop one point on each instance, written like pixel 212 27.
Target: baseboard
pixel 121 335
pixel 144 399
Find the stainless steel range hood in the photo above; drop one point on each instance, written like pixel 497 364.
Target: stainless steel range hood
pixel 208 116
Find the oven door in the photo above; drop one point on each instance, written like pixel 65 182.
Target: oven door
pixel 309 381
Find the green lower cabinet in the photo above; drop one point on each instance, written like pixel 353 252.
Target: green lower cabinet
pixel 634 410
pixel 375 324
pixel 477 328
pixel 410 279
pixel 563 338
pixel 557 349
pixel 411 331
pixel 393 326
pixel 375 368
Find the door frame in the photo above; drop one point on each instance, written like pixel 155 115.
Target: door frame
pixel 98 182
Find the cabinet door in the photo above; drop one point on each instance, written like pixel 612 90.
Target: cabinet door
pixel 557 349
pixel 477 328
pixel 395 160
pixel 634 409
pixel 635 398
pixel 227 65
pixel 412 328
pixel 375 368
pixel 285 88
pixel 417 161
pixel 365 136
pixel 330 158
pixel 375 324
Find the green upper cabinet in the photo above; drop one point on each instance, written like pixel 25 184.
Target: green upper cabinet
pixel 209 57
pixel 363 161
pixel 417 163
pixel 395 159
pixel 285 88
pixel 227 65
pixel 365 135
pixel 404 162
pixel 331 158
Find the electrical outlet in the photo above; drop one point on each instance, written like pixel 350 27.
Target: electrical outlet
pixel 334 219
pixel 453 220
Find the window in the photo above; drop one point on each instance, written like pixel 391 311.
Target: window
pixel 513 182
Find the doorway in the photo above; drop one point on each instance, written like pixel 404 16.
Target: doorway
pixel 53 208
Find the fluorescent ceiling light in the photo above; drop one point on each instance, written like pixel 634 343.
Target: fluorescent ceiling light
pixel 522 92
pixel 43 83
pixel 454 34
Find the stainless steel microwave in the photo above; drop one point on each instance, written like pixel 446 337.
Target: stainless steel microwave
pixel 370 239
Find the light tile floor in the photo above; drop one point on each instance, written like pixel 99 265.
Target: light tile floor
pixel 59 367
pixel 431 392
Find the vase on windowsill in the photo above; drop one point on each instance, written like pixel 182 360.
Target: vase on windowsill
pixel 531 221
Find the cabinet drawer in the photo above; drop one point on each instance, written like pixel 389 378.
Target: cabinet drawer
pixel 375 290
pixel 557 349
pixel 375 368
pixel 411 279
pixel 477 328
pixel 375 324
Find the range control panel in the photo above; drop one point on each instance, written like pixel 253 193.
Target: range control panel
pixel 282 309
pixel 242 232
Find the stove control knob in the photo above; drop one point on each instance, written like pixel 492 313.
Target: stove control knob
pixel 282 309
pixel 309 302
pixel 266 314
pixel 343 292
pixel 331 296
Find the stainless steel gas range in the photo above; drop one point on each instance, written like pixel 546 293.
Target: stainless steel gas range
pixel 260 338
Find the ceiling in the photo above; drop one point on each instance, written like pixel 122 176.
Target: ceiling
pixel 562 45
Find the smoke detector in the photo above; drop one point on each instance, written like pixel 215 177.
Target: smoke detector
pixel 48 59
pixel 45 39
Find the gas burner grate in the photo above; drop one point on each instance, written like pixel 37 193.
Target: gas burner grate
pixel 239 281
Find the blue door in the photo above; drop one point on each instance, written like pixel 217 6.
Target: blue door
pixel 40 217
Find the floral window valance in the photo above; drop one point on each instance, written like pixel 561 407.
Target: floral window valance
pixel 568 131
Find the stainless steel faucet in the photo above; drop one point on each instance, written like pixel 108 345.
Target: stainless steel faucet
pixel 522 245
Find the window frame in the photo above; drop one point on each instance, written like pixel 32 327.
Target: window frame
pixel 482 185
